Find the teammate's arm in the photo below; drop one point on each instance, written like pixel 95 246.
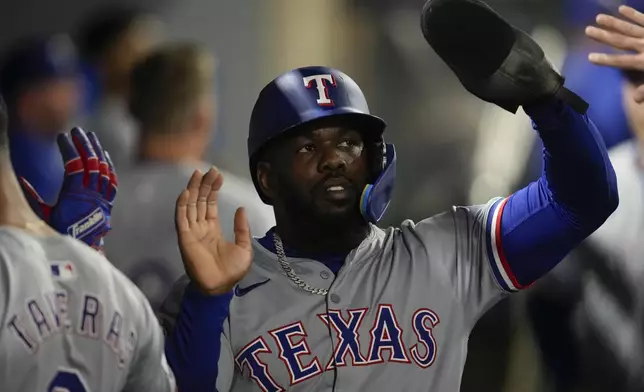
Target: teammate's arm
pixel 509 243
pixel 85 201
pixel 622 35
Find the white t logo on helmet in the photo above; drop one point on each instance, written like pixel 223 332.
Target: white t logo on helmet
pixel 321 83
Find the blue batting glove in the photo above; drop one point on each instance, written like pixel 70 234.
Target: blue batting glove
pixel 85 201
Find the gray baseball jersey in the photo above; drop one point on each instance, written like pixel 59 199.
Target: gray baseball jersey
pixel 72 322
pixel 143 240
pixel 397 316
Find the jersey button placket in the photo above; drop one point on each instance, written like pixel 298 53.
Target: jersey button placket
pixel 325 274
pixel 334 298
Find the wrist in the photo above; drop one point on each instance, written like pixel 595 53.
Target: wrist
pixel 217 291
pixel 545 107
pixel 195 292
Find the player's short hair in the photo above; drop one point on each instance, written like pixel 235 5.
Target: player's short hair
pixel 165 86
pixel 103 29
pixel 4 122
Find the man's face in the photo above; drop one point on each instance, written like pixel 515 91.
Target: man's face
pixel 321 173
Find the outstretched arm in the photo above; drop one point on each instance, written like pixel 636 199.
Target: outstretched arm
pixel 535 228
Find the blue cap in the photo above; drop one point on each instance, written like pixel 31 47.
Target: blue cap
pixel 37 60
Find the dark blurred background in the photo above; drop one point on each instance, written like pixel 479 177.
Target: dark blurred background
pixel 431 118
pixel 453 148
pixel 377 41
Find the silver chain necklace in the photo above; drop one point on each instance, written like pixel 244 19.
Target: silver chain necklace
pixel 290 273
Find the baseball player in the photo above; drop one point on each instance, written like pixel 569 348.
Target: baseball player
pixel 172 99
pixel 39 81
pixel 328 301
pixel 70 321
pixel 112 40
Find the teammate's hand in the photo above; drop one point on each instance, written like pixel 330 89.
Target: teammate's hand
pixel 212 263
pixel 85 201
pixel 626 35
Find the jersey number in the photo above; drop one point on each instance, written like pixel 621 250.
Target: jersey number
pixel 67 381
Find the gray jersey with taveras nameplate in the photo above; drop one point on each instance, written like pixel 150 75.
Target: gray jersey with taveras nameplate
pixel 72 322
pixel 397 316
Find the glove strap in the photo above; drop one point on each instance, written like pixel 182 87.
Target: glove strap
pixel 572 99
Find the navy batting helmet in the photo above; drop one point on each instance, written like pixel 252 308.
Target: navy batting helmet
pixel 309 94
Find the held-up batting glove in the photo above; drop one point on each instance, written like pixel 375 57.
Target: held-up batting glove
pixel 85 202
pixel 494 60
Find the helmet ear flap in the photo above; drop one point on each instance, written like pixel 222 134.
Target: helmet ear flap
pixel 377 195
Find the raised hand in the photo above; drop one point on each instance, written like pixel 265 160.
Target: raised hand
pixel 212 263
pixel 623 35
pixel 85 201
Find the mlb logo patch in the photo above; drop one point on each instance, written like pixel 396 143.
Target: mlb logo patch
pixel 63 270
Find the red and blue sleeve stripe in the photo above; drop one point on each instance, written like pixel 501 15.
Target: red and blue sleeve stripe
pixel 530 232
pixel 496 255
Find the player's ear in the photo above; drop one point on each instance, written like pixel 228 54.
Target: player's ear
pixel 265 179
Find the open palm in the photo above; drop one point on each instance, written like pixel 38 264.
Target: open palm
pixel 624 35
pixel 212 263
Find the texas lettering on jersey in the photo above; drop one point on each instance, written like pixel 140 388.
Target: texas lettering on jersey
pixel 385 344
